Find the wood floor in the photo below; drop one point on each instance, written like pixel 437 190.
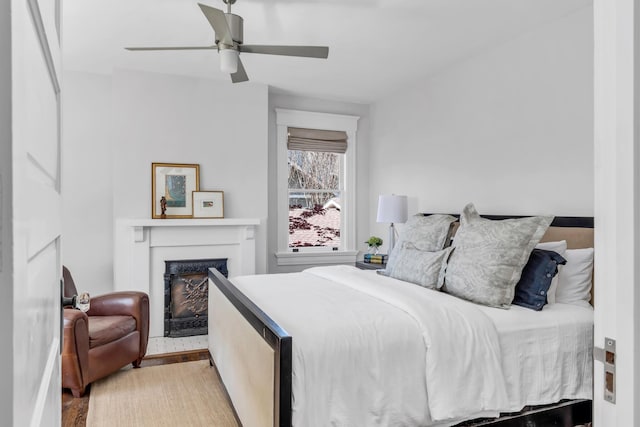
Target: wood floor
pixel 74 411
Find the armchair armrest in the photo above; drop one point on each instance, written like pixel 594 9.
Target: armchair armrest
pixel 125 303
pixel 77 323
pixel 75 350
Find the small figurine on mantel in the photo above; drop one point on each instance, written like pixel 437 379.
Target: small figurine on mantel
pixel 163 207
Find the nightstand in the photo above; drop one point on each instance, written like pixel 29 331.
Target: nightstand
pixel 370 266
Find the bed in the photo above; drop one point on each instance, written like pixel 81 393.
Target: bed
pixel 347 347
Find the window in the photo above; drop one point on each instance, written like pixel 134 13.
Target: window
pixel 316 187
pixel 315 160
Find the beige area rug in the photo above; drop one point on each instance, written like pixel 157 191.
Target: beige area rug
pixel 179 394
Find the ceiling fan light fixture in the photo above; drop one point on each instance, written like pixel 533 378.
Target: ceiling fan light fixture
pixel 228 61
pixel 228 29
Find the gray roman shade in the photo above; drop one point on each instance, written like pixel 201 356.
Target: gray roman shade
pixel 328 141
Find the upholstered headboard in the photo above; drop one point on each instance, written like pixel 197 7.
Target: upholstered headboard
pixel 576 230
pixel 576 237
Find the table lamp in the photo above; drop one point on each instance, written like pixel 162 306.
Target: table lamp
pixel 392 209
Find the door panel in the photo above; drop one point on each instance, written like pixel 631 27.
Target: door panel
pixel 37 207
pixel 617 207
pixel 40 105
pixel 41 208
pixel 36 357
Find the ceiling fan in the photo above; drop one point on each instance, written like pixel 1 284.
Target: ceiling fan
pixel 228 29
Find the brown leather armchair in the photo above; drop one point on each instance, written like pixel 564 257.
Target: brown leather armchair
pixel 113 333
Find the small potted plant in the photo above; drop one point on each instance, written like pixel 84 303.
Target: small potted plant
pixel 374 243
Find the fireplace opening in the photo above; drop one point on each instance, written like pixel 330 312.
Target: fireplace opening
pixel 186 295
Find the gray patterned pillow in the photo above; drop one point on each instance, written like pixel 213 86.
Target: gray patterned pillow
pixel 489 256
pixel 426 233
pixel 420 267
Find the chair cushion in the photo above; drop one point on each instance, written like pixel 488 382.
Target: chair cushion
pixel 105 329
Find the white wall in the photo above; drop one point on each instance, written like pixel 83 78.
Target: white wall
pixel 510 129
pixel 141 118
pixel 362 186
pixel 87 181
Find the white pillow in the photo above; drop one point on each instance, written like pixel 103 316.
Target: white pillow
pixel 560 248
pixel 574 280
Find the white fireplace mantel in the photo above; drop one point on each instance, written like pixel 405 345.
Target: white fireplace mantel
pixel 141 246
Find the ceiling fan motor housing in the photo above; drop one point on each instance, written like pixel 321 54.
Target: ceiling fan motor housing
pixel 236 24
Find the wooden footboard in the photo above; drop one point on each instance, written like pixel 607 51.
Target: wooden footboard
pixel 252 354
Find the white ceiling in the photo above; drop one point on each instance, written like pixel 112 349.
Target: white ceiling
pixel 375 46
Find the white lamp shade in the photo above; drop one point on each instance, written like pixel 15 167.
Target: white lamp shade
pixel 392 208
pixel 228 60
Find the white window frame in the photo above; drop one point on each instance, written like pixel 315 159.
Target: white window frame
pixel 346 252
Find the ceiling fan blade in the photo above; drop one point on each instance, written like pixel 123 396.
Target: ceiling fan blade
pixel 240 75
pixel 173 48
pixel 219 23
pixel 306 51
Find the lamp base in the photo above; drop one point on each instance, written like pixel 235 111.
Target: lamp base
pixel 392 237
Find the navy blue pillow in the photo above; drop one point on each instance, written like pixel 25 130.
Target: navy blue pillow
pixel 531 290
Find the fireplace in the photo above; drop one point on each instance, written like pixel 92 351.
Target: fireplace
pixel 142 246
pixel 186 295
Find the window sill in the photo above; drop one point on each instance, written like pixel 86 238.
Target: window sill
pixel 315 258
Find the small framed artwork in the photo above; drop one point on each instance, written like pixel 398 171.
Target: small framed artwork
pixel 171 186
pixel 208 204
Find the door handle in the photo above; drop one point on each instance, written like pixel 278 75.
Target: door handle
pixel 68 301
pixel 63 301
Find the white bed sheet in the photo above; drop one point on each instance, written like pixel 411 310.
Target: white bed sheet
pixel 545 356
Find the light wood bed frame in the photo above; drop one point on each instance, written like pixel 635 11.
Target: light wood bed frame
pixel 253 354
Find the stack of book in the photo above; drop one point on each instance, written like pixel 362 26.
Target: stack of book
pixel 375 259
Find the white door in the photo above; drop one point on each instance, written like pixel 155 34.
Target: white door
pixel 617 208
pixel 30 215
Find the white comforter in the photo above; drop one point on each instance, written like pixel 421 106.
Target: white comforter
pixel 373 351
